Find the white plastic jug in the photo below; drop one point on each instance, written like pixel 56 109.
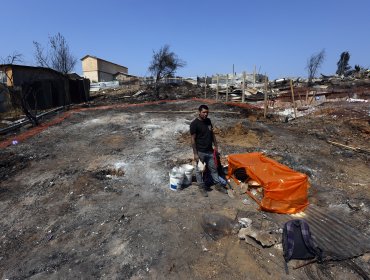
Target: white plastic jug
pixel 176 178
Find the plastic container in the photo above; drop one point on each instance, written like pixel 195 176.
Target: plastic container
pixel 177 175
pixel 188 172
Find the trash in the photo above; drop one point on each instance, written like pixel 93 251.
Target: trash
pixel 246 201
pixel 245 222
pixel 230 193
pixel 201 166
pixel 176 178
pixel 14 142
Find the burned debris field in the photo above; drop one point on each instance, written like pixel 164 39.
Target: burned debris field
pixel 89 197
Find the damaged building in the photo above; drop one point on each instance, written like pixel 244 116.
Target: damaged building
pixel 100 70
pixel 42 87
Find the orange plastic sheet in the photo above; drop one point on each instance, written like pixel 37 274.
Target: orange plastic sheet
pixel 285 190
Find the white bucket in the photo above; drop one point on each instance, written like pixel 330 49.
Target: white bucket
pixel 176 178
pixel 188 170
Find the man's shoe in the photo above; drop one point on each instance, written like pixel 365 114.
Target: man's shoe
pixel 203 191
pixel 220 188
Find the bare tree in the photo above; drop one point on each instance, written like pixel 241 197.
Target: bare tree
pixel 57 56
pixel 13 58
pixel 314 63
pixel 164 64
pixel 342 64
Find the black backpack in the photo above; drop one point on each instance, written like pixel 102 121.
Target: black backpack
pixel 298 242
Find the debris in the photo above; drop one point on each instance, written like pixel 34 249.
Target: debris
pixel 354 206
pixel 348 147
pixel 230 193
pixel 245 222
pixel 264 238
pixel 246 201
pixel 217 226
pixel 140 92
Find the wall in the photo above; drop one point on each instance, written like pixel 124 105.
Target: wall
pixel 23 75
pixel 98 70
pixel 105 77
pixel 107 67
pixel 90 69
pixel 5 103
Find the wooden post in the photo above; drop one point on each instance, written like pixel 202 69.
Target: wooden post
pixel 291 88
pixel 218 79
pixel 205 85
pixel 254 76
pixel 306 96
pixel 227 87
pixel 313 96
pixel 243 88
pixel 265 111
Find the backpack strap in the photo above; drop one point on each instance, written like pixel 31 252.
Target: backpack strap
pixel 286 268
pixel 288 243
pixel 309 241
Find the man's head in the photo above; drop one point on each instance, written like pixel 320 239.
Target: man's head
pixel 203 112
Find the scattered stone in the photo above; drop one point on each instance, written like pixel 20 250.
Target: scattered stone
pixel 354 206
pixel 266 239
pixel 245 222
pixel 230 193
pixel 246 201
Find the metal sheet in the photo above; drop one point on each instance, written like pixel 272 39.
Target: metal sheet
pixel 338 240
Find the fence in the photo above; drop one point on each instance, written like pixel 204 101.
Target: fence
pixel 103 85
pixel 151 80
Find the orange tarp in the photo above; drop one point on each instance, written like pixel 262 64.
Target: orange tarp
pixel 284 190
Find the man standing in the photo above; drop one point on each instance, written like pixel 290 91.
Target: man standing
pixel 202 138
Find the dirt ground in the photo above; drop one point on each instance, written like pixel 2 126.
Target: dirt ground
pixel 89 198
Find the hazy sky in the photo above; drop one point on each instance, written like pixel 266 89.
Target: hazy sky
pixel 276 36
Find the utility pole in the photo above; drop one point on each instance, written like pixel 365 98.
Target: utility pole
pixel 218 78
pixel 205 85
pixel 227 87
pixel 243 88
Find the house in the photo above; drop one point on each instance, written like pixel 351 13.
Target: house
pixel 100 70
pixel 42 87
pixel 124 78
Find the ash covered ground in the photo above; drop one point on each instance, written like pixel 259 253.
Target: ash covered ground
pixel 89 198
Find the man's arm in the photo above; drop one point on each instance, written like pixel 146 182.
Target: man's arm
pixel 195 152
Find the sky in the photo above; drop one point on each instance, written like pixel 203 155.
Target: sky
pixel 212 37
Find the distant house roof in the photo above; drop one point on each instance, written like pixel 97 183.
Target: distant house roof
pixel 74 76
pixel 125 74
pixel 86 56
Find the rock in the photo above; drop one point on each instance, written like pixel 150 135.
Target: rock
pixel 366 257
pixel 245 222
pixel 230 193
pixel 266 239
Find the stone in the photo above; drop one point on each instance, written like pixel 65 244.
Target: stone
pixel 263 238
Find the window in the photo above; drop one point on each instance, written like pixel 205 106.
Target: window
pixel 2 77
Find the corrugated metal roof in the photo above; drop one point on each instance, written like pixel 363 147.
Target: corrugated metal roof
pixel 337 239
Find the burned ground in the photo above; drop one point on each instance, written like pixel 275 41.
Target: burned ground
pixel 89 197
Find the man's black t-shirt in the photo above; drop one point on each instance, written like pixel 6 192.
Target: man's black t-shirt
pixel 203 131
